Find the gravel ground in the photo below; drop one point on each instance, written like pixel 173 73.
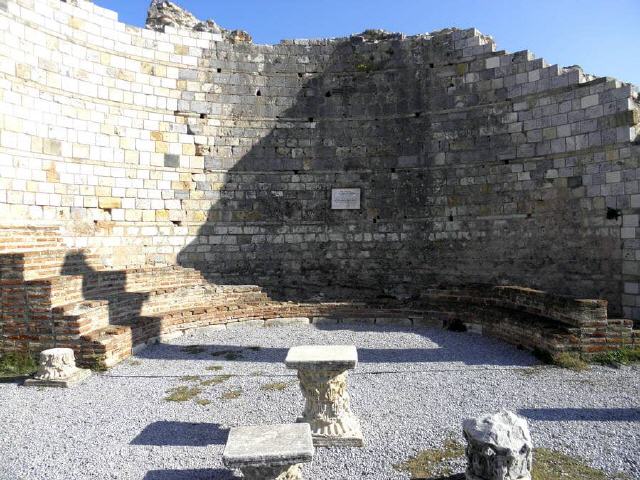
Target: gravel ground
pixel 411 391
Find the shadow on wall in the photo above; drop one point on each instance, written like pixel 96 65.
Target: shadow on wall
pixel 365 120
pixel 273 225
pixel 124 307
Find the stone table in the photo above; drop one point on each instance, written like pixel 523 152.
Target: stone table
pixel 322 371
pixel 269 452
pixel 57 368
pixel 498 447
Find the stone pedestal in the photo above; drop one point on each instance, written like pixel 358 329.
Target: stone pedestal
pixel 498 447
pixel 322 371
pixel 58 369
pixel 269 452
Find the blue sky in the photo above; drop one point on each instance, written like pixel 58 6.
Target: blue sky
pixel 600 35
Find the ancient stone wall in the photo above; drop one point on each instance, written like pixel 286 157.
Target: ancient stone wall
pixel 184 147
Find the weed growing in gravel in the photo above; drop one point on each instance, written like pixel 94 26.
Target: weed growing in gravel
pixel 182 394
pixel 623 356
pixel 17 364
pixel 275 386
pixel 203 401
pixel 575 361
pixel 193 349
pixel 231 394
pixel 547 465
pixel 552 465
pixel 258 373
pixel 217 380
pixel 228 354
pixel 214 368
pixel 190 378
pixel 572 361
pixel 434 462
pixel 135 363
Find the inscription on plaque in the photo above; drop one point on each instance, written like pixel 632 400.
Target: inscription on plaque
pixel 345 199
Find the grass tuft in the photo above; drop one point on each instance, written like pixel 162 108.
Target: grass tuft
pixel 434 462
pixel 572 361
pixel 214 368
pixel 203 401
pixel 182 394
pixel 623 356
pixel 190 378
pixel 275 386
pixel 552 465
pixel 547 465
pixel 17 365
pixel 231 394
pixel 193 349
pixel 228 354
pixel 217 380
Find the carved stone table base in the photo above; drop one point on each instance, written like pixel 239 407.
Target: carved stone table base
pixel 328 410
pixel 57 369
pixel 322 371
pixel 284 472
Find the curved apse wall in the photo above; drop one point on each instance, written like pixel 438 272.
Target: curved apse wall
pixel 474 165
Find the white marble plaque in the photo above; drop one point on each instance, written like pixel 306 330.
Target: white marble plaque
pixel 345 199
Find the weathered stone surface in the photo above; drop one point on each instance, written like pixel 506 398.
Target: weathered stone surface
pixel 499 447
pixel 286 321
pixel 269 452
pixel 57 368
pixel 322 357
pixel 322 371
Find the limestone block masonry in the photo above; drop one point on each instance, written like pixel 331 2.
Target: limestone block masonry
pixel 142 170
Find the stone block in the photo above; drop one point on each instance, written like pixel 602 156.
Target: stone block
pixel 394 321
pixel 285 322
pixel 269 452
pixel 246 323
pixel 171 160
pixel 322 357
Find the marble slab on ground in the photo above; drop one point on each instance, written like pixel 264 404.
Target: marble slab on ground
pixel 322 356
pixel 265 445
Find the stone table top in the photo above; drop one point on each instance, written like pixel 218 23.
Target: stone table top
pixel 266 445
pixel 322 357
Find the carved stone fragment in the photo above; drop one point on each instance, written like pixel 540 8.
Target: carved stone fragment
pixel 58 369
pixel 499 447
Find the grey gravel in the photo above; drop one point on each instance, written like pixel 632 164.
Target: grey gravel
pixel 411 390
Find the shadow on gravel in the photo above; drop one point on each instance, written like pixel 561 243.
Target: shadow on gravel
pixel 582 414
pixel 202 474
pixel 181 434
pixel 470 352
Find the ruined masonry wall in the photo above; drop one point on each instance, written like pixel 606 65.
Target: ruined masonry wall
pixel 475 165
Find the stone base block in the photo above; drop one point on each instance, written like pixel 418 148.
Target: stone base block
pixel 335 435
pixel 285 322
pixel 70 381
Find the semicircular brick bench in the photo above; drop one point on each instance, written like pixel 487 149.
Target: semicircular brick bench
pixel 104 314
